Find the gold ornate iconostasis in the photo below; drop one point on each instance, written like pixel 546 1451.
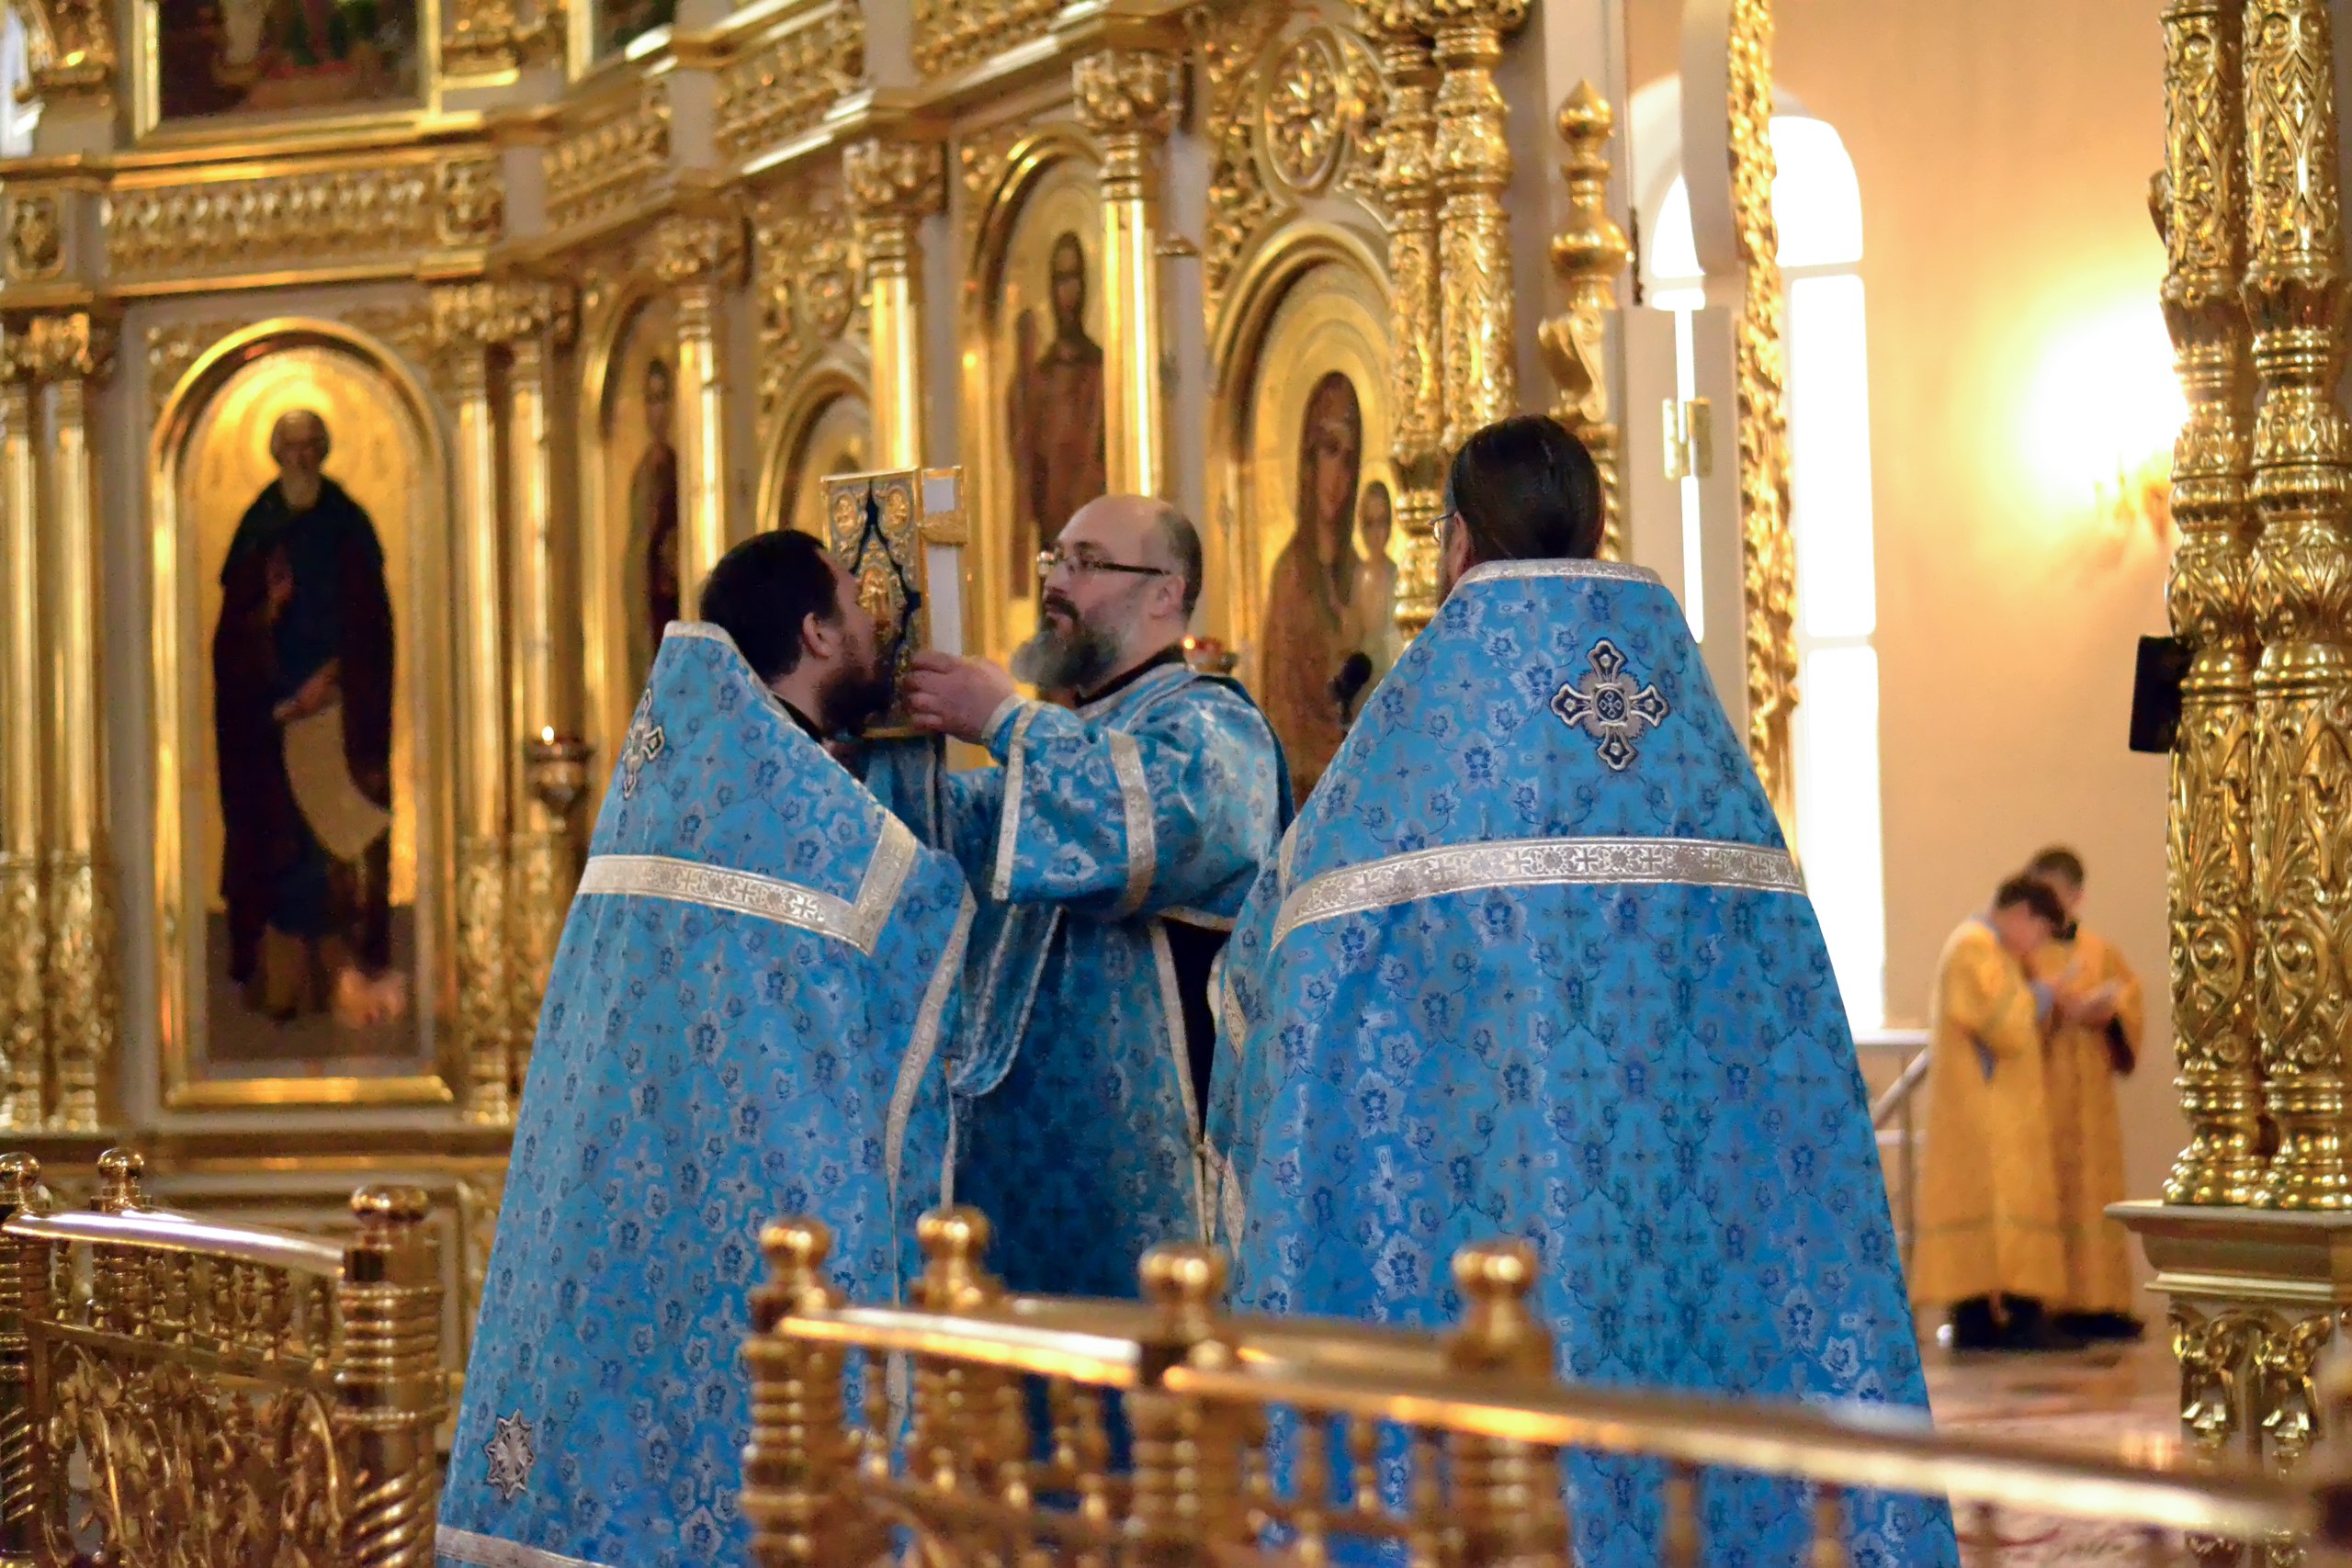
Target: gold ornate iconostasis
pixel 580 296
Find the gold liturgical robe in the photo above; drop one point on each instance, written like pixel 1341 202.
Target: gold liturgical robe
pixel 1989 1203
pixel 2085 1128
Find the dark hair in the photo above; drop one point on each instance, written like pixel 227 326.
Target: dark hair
pixel 1183 542
pixel 2058 861
pixel 1526 489
pixel 2035 895
pixel 762 590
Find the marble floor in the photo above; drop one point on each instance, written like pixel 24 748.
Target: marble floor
pixel 2113 1400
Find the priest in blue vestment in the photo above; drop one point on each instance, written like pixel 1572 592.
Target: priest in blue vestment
pixel 1533 963
pixel 745 1020
pixel 1112 850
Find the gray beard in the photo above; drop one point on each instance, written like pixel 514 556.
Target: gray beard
pixel 1078 661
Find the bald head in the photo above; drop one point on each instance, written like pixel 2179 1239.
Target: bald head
pixel 299 445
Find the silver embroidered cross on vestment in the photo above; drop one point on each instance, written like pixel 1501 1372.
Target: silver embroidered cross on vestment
pixel 641 745
pixel 511 1451
pixel 1611 706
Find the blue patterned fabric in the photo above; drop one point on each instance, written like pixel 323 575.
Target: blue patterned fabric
pixel 743 1021
pixel 1157 804
pixel 1534 965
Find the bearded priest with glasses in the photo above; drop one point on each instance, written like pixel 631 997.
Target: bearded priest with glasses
pixel 1110 850
pixel 1535 964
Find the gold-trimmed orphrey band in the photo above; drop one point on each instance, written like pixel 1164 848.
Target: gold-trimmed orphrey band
pixel 767 897
pixel 1525 570
pixel 1535 862
pixel 1135 799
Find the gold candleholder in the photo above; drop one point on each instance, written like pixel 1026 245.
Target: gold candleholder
pixel 555 770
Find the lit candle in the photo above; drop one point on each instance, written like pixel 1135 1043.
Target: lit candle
pixel 547 735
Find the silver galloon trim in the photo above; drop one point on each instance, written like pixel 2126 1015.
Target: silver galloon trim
pixel 766 898
pixel 1535 862
pixel 922 1047
pixel 1009 813
pixel 1526 570
pixel 1135 799
pixel 490 1552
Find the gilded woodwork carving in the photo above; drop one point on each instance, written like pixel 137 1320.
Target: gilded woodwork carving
pixel 697 249
pixel 36 237
pixel 893 184
pixel 1588 255
pixel 807 273
pixel 984 161
pixel 23 1021
pixel 2303 589
pixel 2200 205
pixel 1129 99
pixel 407 329
pixel 783 87
pixel 83 993
pixel 1768 550
pixel 488 38
pixel 69 51
pixel 2249 1381
pixel 1289 114
pixel 1417 389
pixel 336 214
pixel 952 34
pixel 1474 165
pixel 198 1407
pixel 601 168
pixel 173 349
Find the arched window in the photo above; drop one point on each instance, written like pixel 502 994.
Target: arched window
pixel 1818 204
pixel 16 119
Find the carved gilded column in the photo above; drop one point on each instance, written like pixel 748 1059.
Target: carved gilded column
pixel 2200 210
pixel 85 981
pixel 23 743
pixel 1473 160
pixel 544 857
pixel 1416 385
pixel 1129 98
pixel 696 256
pixel 1768 552
pixel 893 186
pixel 1588 255
pixel 466 323
pixel 2303 587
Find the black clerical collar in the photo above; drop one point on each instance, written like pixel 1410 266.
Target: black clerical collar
pixel 1172 654
pixel 803 720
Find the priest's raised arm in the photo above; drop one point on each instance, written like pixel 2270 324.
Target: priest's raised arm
pixel 1111 850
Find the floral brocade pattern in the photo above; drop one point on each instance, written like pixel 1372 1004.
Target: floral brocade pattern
pixel 1077 1138
pixel 699 1073
pixel 1652 1085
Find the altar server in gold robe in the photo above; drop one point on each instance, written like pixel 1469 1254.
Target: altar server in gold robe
pixel 2096 1040
pixel 1988 1245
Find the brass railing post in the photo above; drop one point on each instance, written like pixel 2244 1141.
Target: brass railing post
pixel 1507 1496
pixel 26 1496
pixel 2302 590
pixel 1129 98
pixel 800 1469
pixel 2200 210
pixel 390 1385
pixel 954 1438
pixel 1191 1495
pixel 1416 322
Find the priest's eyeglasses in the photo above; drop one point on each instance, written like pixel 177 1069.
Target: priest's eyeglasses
pixel 1083 562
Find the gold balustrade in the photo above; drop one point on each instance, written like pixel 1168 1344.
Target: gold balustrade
pixel 952 1443
pixel 177 1390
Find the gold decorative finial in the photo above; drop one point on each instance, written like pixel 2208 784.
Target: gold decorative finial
pixel 1187 1284
pixel 1588 255
pixel 121 1182
pixel 20 1180
pixel 1499 1332
pixel 953 1241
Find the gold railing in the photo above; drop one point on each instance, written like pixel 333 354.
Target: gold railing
pixel 955 1446
pixel 175 1390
